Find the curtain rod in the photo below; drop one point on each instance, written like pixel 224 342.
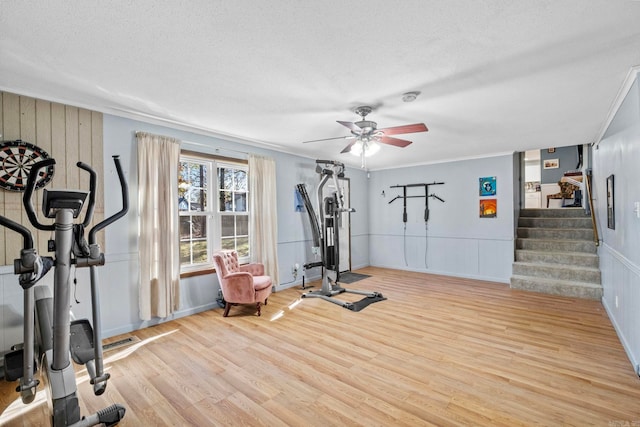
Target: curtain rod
pixel 202 145
pixel 218 148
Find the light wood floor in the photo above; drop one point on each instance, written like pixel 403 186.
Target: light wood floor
pixel 440 351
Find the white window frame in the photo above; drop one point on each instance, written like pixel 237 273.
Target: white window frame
pixel 212 213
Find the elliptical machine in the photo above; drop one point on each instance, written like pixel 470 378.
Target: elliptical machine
pixel 325 230
pixel 49 329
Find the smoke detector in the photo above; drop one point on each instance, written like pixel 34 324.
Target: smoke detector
pixel 410 96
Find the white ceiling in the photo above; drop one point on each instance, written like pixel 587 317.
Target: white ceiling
pixel 495 76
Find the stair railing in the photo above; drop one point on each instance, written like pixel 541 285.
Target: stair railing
pixel 596 238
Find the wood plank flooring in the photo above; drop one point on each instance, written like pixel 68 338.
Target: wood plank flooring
pixel 440 351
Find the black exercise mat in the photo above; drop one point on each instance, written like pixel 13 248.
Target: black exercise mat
pixel 350 277
pixel 364 302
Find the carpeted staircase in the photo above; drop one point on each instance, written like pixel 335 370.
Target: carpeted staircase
pixel 556 254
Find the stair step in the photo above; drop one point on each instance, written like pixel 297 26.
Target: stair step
pixel 557 271
pixel 566 288
pixel 561 257
pixel 583 246
pixel 556 254
pixel 556 233
pixel 554 213
pixel 559 222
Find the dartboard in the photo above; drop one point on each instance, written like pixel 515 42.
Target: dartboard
pixel 17 158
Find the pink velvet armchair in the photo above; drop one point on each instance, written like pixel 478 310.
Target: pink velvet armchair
pixel 241 284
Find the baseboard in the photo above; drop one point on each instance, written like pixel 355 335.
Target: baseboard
pixel 131 327
pixel 448 273
pixel 298 282
pixel 627 348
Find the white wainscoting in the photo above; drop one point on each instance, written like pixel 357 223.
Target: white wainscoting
pixel 475 258
pixel 621 283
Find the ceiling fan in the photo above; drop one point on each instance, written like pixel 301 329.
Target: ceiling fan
pixel 366 135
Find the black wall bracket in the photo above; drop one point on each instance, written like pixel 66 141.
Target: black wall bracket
pixel 426 196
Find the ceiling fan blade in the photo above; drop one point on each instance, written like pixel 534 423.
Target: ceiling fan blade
pixel 348 147
pixel 354 127
pixel 416 127
pixel 394 141
pixel 328 139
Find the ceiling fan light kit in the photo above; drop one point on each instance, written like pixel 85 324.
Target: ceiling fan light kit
pixel 370 148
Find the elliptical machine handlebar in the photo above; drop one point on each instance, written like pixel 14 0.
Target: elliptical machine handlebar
pixel 27 237
pixel 92 192
pixel 31 185
pixel 124 188
pixel 26 199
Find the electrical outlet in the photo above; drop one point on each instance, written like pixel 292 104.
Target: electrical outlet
pixel 616 301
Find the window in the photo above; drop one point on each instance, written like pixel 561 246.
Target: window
pixel 213 210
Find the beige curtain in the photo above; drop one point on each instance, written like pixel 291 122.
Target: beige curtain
pixel 159 249
pixel 263 214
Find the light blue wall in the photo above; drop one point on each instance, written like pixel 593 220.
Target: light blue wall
pixel 458 242
pixel 568 160
pixel 618 153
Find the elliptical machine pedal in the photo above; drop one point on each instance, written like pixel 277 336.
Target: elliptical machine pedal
pixel 81 341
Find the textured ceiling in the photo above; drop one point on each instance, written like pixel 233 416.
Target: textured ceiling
pixel 495 76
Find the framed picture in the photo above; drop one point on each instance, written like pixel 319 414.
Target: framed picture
pixel 551 164
pixel 611 212
pixel 488 208
pixel 488 186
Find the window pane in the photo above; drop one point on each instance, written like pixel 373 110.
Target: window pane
pixel 193 239
pixel 225 178
pixel 183 172
pixel 199 227
pixel 183 186
pixel 242 225
pixel 185 227
pixel 243 246
pixel 228 243
pixel 226 204
pixel 192 186
pixel 240 180
pixel 199 251
pixel 195 171
pixel 227 226
pixel 196 197
pixel 203 199
pixel 240 200
pixel 185 252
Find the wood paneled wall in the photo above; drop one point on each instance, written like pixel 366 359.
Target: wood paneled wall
pixel 69 135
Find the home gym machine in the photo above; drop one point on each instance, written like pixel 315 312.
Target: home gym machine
pixel 49 330
pixel 325 231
